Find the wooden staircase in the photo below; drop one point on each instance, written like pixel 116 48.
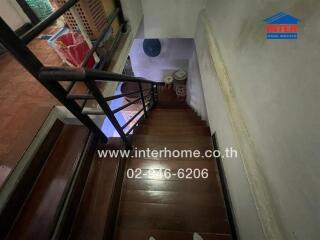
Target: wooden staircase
pixel 70 193
pixel 67 192
pixel 172 208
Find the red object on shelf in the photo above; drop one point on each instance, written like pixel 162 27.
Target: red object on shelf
pixel 72 48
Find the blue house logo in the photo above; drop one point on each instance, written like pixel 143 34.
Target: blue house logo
pixel 281 26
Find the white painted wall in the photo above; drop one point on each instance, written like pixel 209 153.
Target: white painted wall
pixel 12 14
pixel 218 116
pixel 267 102
pixel 132 10
pixel 175 54
pixel 261 96
pixel 171 19
pixel 195 97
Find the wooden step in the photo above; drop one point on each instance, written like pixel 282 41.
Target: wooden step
pixel 173 131
pixel 177 116
pixel 72 201
pixel 167 197
pixel 174 207
pixel 173 123
pixel 122 234
pixel 96 204
pixel 173 143
pixel 144 174
pixel 37 216
pixel 173 117
pixel 173 217
pixel 20 191
pixel 187 110
pixel 170 106
pixel 189 186
pixel 209 164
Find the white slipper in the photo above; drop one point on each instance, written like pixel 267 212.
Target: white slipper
pixel 196 236
pixel 152 238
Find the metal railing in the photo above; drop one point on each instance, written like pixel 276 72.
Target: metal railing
pixel 51 77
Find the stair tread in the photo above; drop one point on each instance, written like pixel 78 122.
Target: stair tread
pixel 186 110
pixel 170 117
pixel 173 142
pixel 178 124
pixel 172 164
pixel 177 128
pixel 122 234
pixel 171 139
pixel 27 179
pixel 91 219
pixel 170 197
pixel 38 213
pixel 174 207
pixel 183 185
pixel 175 217
pixel 163 132
pixel 172 121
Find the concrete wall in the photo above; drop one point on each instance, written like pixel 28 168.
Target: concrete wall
pixel 268 93
pixel 245 213
pixel 175 54
pixel 261 96
pixel 171 19
pixel 133 13
pixel 12 14
pixel 195 96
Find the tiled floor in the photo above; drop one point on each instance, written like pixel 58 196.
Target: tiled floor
pixel 24 105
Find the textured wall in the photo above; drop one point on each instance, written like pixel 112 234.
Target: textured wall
pixel 171 19
pixel 175 54
pixel 195 96
pixel 11 13
pixel 276 88
pixel 243 205
pixel 133 12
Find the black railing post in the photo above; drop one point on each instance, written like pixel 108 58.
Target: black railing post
pixel 142 99
pixel 37 29
pixel 157 93
pixel 153 96
pixel 29 61
pixel 121 17
pixel 28 11
pixel 106 109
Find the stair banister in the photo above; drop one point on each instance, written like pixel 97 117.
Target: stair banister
pixel 50 77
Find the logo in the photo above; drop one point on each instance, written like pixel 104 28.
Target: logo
pixel 281 26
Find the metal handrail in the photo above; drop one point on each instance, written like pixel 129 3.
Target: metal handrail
pixel 90 97
pixel 90 77
pixel 84 74
pixel 132 118
pixel 125 105
pixel 33 32
pixel 100 38
pixel 50 77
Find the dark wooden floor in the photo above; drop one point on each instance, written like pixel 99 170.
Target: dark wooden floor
pixel 24 105
pixel 172 208
pixel 38 213
pixel 90 222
